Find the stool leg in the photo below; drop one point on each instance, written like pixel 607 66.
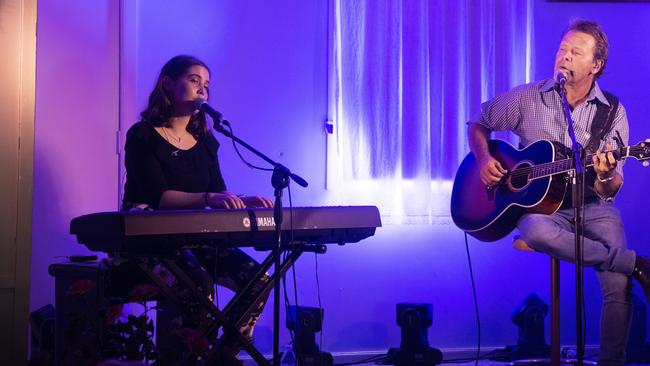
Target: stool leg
pixel 555 312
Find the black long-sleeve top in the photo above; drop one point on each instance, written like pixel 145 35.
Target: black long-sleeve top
pixel 153 165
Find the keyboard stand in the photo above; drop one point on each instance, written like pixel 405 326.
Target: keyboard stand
pixel 186 282
pixel 238 315
pixel 233 316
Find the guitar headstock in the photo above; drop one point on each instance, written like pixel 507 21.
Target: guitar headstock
pixel 640 151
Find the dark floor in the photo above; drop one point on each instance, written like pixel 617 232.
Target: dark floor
pixel 454 357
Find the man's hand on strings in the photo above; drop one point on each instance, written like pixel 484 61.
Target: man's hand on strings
pixel 605 163
pixel 491 171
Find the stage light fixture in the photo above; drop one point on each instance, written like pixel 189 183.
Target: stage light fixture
pixel 305 323
pixel 529 318
pixel 414 320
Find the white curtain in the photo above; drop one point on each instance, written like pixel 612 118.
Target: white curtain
pixel 404 78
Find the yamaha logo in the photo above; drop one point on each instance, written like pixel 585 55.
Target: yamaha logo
pixel 259 221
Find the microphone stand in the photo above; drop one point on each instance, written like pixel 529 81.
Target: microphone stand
pixel 577 197
pixel 280 180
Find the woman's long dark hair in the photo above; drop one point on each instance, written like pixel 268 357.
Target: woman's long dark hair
pixel 160 107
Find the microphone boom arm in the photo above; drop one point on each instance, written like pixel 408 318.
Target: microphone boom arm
pixel 217 118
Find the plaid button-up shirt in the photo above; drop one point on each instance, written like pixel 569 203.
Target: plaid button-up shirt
pixel 534 112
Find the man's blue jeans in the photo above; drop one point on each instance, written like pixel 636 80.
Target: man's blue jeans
pixel 606 251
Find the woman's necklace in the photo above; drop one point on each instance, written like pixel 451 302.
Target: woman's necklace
pixel 176 141
pixel 176 138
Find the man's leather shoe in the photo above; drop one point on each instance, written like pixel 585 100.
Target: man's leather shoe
pixel 642 274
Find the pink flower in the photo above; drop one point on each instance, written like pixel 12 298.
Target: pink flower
pixel 79 287
pixel 113 313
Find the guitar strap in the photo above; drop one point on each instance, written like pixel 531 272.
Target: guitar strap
pixel 602 122
pixel 600 126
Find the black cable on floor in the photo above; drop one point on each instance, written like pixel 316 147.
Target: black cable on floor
pixel 478 319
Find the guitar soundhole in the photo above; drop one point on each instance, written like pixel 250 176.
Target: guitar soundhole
pixel 518 178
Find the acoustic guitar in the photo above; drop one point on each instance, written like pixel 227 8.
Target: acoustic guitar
pixel 535 183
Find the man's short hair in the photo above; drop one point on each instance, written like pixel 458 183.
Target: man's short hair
pixel 593 29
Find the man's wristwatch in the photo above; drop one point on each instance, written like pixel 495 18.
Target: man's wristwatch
pixel 606 179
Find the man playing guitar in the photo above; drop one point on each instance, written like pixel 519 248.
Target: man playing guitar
pixel 534 112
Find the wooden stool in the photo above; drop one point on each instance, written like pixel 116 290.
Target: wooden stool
pixel 554 349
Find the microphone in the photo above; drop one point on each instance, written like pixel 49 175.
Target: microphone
pixel 203 106
pixel 561 78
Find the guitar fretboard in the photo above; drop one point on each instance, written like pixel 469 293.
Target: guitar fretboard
pixel 564 165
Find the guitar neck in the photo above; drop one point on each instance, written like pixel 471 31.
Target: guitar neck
pixel 566 165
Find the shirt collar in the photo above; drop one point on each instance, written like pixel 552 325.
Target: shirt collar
pixel 547 85
pixel 594 94
pixel 597 93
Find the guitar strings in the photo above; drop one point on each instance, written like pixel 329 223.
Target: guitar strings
pixel 526 171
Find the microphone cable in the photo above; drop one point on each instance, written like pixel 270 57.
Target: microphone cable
pixel 291 228
pixel 287 302
pixel 234 144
